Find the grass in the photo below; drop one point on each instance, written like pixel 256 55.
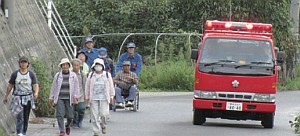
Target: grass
pixel 290 85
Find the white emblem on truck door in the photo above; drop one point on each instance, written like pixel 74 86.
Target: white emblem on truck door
pixel 235 84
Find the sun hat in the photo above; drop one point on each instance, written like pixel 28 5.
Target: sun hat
pixel 126 63
pixel 98 61
pixel 131 45
pixel 102 52
pixel 64 60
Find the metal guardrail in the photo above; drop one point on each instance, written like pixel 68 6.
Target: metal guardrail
pixel 145 34
pixel 55 23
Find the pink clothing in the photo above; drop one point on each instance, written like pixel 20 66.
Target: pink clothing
pixel 108 83
pixel 56 87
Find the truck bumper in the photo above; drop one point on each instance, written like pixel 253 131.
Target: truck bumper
pixel 221 105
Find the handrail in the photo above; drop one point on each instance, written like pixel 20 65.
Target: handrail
pixel 142 34
pixel 59 29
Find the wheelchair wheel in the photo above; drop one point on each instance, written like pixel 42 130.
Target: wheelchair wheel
pixel 136 102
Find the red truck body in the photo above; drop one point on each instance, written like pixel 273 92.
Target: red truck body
pixel 232 81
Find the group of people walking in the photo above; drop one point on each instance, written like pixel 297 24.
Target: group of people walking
pixel 88 81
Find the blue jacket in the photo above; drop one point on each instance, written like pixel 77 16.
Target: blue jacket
pixel 136 63
pixel 92 55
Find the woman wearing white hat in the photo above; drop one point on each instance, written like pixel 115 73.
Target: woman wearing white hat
pixel 64 93
pixel 99 90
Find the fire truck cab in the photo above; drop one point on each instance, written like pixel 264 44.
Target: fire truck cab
pixel 236 73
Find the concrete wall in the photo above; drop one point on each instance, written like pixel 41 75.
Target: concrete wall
pixel 33 38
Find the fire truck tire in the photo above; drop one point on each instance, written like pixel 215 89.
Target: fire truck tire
pixel 199 117
pixel 268 120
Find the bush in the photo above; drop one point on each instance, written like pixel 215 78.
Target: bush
pixel 296 124
pixel 168 76
pixel 43 106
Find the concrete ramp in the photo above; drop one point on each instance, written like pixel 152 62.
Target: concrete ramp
pixel 31 37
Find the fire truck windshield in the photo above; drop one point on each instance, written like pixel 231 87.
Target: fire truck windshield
pixel 236 56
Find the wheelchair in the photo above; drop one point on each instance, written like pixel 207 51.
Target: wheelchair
pixel 125 94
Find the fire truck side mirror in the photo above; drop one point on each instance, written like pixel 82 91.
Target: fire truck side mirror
pixel 280 57
pixel 194 54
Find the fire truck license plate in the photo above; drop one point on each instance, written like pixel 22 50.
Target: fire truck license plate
pixel 234 106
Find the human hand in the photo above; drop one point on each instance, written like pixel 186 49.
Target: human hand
pixel 4 100
pixel 111 100
pixel 87 101
pixel 35 96
pixel 128 78
pixel 51 102
pixel 76 100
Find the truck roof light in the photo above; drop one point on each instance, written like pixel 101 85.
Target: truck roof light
pixel 238 26
pixel 249 26
pixel 228 25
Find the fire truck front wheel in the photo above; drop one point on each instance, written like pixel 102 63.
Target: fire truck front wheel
pixel 199 117
pixel 268 120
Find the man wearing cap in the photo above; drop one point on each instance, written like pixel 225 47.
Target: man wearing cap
pixel 26 90
pixel 134 58
pixel 90 51
pixel 125 81
pixel 109 64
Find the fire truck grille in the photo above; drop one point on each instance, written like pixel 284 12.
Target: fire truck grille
pixel 235 96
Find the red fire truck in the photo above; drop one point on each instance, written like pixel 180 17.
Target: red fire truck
pixel 236 73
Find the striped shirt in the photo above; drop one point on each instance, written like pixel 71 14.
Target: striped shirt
pixel 65 87
pixel 121 78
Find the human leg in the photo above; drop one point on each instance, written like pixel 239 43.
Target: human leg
pixel 26 113
pixel 119 98
pixel 132 93
pixel 69 115
pixel 104 112
pixel 75 112
pixel 60 113
pixel 20 122
pixel 95 115
pixel 81 110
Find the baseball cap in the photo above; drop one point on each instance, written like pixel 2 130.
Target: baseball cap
pixel 131 45
pixel 126 63
pixel 23 58
pixel 88 39
pixel 102 52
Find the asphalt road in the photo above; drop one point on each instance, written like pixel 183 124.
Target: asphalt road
pixel 170 114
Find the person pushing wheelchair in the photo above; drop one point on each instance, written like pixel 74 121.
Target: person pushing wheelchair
pixel 125 80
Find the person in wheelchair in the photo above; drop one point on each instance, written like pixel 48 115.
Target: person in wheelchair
pixel 125 81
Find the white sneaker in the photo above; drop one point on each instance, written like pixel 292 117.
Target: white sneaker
pixel 119 105
pixel 129 103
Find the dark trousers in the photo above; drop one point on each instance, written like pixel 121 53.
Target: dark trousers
pixel 79 110
pixel 22 119
pixel 63 108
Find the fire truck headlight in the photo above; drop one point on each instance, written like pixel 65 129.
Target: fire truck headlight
pixel 205 94
pixel 264 98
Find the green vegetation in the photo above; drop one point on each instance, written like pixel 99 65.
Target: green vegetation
pixel 296 124
pixel 2 132
pixel 43 106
